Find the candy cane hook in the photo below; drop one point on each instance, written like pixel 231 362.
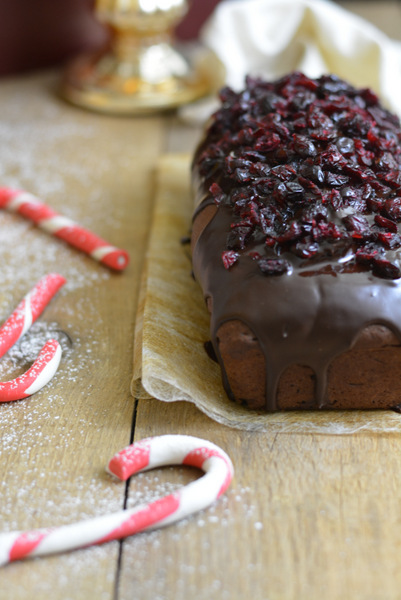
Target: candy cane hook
pixel 17 324
pixel 141 456
pixel 36 377
pixel 28 310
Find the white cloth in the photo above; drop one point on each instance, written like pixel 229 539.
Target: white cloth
pixel 270 38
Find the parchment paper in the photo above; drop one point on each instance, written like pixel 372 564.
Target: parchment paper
pixel 170 362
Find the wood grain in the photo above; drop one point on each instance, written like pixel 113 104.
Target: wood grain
pixel 306 517
pixel 55 445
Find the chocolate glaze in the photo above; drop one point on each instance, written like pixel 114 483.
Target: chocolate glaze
pixel 296 319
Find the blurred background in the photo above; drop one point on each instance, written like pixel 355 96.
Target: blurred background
pixel 41 33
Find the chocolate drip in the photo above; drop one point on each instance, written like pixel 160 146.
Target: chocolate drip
pixel 297 320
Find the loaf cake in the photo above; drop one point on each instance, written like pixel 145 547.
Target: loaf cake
pixel 296 244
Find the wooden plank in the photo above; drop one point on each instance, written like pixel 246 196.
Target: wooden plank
pixel 306 517
pixel 55 445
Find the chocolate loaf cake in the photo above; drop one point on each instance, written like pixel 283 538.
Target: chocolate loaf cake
pixel 296 244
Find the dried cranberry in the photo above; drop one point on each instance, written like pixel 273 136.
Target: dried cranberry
pixel 384 268
pixel 332 84
pixel 233 163
pixel 345 145
pixel 254 156
pixel 309 186
pixel 365 157
pixel 229 258
pixel 390 241
pixel 260 169
pixel 295 191
pixel 303 146
pixel 270 101
pixel 274 266
pixel 228 95
pixel 386 223
pixel 392 208
pixel 358 225
pixel 282 154
pixel 312 172
pixel 305 249
pixel 325 231
pixel 291 191
pixel 250 214
pixel 241 196
pixel 393 178
pixel 354 123
pixel 267 143
pixel 375 204
pixel 299 123
pixel 368 253
pixel 264 187
pixel 217 193
pixel 323 134
pixel 333 198
pixel 386 161
pixel 284 172
pixel 367 191
pixel 243 175
pixel 237 237
pixel 335 179
pixel 360 172
pixel 316 119
pixel 293 232
pixel 332 158
pixel 369 96
pixel 349 193
pixel 300 101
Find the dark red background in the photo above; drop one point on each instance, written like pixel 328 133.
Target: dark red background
pixel 40 33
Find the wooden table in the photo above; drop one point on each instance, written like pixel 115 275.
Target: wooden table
pixel 307 516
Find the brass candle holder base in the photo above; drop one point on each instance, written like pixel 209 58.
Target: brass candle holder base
pixel 104 84
pixel 142 72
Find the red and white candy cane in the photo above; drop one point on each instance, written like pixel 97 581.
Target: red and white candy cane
pixel 40 373
pixel 46 218
pixel 28 310
pixel 18 323
pixel 141 456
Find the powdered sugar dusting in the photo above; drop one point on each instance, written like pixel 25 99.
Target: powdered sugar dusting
pixel 54 445
pixel 216 530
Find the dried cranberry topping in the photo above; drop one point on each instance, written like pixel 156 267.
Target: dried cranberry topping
pixel 274 266
pixel 310 169
pixel 358 225
pixel 229 257
pixel 386 223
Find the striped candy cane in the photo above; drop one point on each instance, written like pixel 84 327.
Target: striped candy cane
pixel 144 455
pixel 18 323
pixel 28 310
pixel 40 373
pixel 46 218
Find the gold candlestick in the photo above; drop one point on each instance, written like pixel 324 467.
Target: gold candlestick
pixel 142 71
